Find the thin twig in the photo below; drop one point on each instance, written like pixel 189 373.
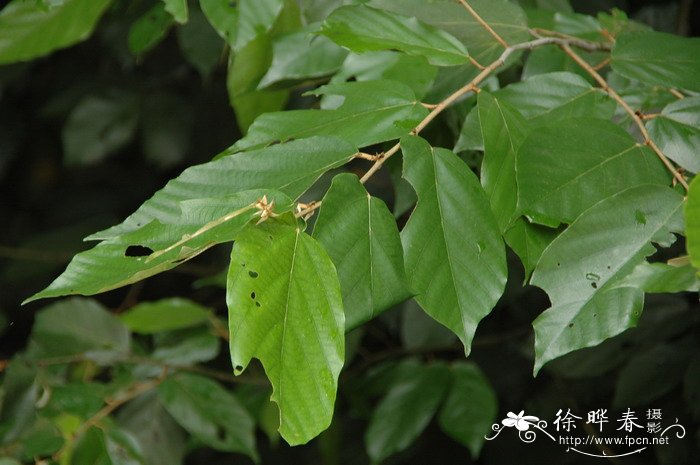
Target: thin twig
pixel 676 93
pixel 635 117
pixel 485 25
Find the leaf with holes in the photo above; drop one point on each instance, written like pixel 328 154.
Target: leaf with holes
pixel 455 265
pixel 579 269
pixel 286 309
pixel 361 237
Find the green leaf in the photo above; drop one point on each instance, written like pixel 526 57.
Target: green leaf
pixel 78 325
pixel 186 346
pixel 209 412
pixel 677 132
pixel 579 269
pixel 164 315
pixel 255 17
pixel 361 237
pixel 506 18
pixel 364 29
pixel 420 332
pixel 457 266
pixel 662 278
pixel 286 309
pixel 98 127
pixel 503 129
pixel 131 256
pixel 223 17
pixel 406 410
pixel 565 167
pixel 470 407
pixel 299 56
pixel 28 30
pixel 150 29
pixel 528 241
pixel 658 58
pixel 290 168
pixel 178 9
pixel 200 44
pixel 372 112
pixel 692 223
pixel 166 129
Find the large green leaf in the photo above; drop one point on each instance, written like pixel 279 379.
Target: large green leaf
pixel 178 9
pixel 164 315
pixel 580 267
pixel 677 132
pixel 255 17
pixel 567 166
pixel 157 247
pixel 29 29
pixel 658 58
pixel 209 412
pixel 290 168
pixel 470 407
pixel 406 410
pixel 362 239
pixel 364 29
pixel 692 223
pixel 503 129
pixel 77 325
pixel 455 264
pixel 372 112
pixel 661 278
pixel 286 309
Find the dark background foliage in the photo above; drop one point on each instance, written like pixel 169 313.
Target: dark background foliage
pixel 49 203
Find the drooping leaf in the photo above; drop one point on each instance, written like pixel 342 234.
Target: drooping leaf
pixel 406 410
pixel 150 29
pixel 285 308
pixel 78 325
pixel 565 167
pixel 28 30
pixel 363 29
pixel 503 129
pixel 372 112
pixel 662 278
pixel 692 223
pixel 456 266
pixel 290 168
pixel 658 58
pixel 470 407
pixel 128 257
pixel 528 241
pixel 178 9
pixel 579 269
pixel 255 17
pixel 361 237
pixel 166 129
pixel 200 43
pixel 299 56
pixel 677 132
pixel 186 346
pixel 419 331
pixel 223 17
pixel 164 315
pixel 209 412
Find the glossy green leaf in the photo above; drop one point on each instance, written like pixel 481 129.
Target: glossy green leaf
pixel 503 129
pixel 195 226
pixel 209 412
pixel 223 17
pixel 406 410
pixel 178 9
pixel 299 56
pixel 661 278
pixel 363 29
pixel 692 223
pixel 290 168
pixel 360 235
pixel 29 30
pixel 658 58
pixel 470 407
pixel 78 325
pixel 286 309
pixel 150 29
pixel 580 267
pixel 372 112
pixel 255 17
pixel 565 167
pixel 455 265
pixel 677 132
pixel 164 315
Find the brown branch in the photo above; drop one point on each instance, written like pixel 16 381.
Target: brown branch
pixel 676 93
pixel 483 23
pixel 633 114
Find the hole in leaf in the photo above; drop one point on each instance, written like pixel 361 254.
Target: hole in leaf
pixel 594 285
pixel 571 325
pixel 237 368
pixel 253 274
pixel 257 304
pixel 137 251
pixel 252 295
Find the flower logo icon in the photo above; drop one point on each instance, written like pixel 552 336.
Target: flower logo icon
pixel 520 421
